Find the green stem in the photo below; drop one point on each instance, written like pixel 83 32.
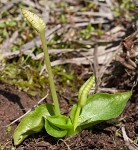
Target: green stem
pixel 75 121
pixel 50 74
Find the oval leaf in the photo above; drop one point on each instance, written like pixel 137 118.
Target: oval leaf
pixel 60 121
pixel 102 106
pixel 54 131
pixel 31 123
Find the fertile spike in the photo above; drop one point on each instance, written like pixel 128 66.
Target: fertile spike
pixel 34 20
pixel 84 91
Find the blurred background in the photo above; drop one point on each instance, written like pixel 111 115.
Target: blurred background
pixel 83 37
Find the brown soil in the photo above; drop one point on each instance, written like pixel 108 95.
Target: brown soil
pixel 105 136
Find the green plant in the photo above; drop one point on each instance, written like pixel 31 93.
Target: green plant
pixel 86 33
pixel 89 110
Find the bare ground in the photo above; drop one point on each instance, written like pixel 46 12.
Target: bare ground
pixel 107 135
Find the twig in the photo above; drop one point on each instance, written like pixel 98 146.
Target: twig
pixel 36 41
pixel 9 5
pixel 103 68
pixel 27 111
pixel 64 141
pixel 96 65
pixel 129 143
pixel 96 14
pixel 83 24
pixel 5 47
pixel 107 90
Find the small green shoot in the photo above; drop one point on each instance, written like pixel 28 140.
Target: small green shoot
pixel 86 33
pixel 90 109
pixel 11 23
pixel 136 140
pixel 8 130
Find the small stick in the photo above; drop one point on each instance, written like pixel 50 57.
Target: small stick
pixel 27 111
pixel 129 143
pixel 64 141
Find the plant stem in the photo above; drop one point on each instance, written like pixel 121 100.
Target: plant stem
pixel 50 74
pixel 75 121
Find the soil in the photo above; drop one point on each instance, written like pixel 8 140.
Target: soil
pixel 104 136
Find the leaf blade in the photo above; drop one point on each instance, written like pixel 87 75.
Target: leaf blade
pixel 60 121
pixel 31 123
pixel 54 131
pixel 101 107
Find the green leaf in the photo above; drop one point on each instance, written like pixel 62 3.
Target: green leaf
pixel 101 107
pixel 33 122
pixel 60 121
pixel 58 125
pixel 54 131
pixel 2 24
pixel 11 23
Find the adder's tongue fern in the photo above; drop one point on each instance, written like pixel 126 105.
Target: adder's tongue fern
pixel 39 25
pixel 89 110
